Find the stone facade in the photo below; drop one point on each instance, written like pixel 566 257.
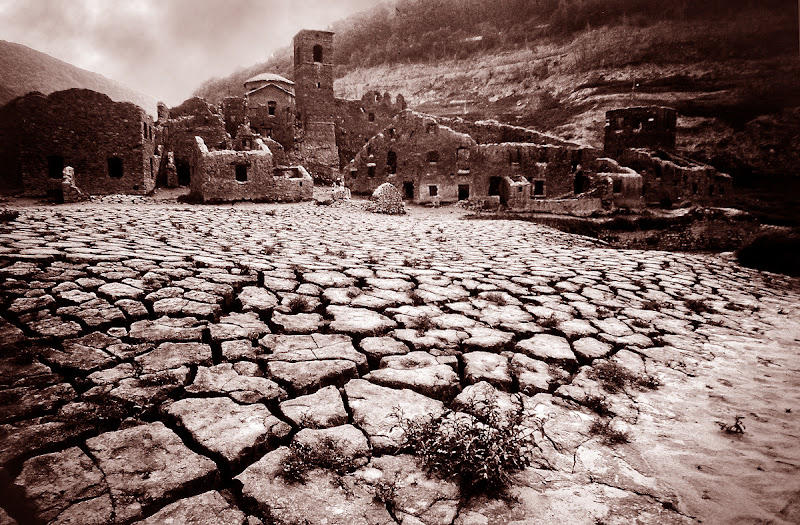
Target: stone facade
pixel 670 179
pixel 245 175
pixel 641 127
pixel 357 121
pixel 234 113
pixel 270 107
pixel 433 163
pixel 193 118
pixel 111 145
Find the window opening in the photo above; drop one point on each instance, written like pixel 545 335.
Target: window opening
pixel 391 162
pixel 55 166
pixel 241 173
pixel 433 190
pixel 115 167
pixel 317 53
pixel 271 105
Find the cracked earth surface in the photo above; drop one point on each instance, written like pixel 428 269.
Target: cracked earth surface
pixel 157 360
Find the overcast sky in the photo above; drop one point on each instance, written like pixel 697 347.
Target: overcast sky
pixel 166 48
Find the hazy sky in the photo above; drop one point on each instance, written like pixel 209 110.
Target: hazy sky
pixel 166 48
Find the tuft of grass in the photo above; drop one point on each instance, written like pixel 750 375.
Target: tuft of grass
pixel 303 458
pixel 496 298
pixel 655 306
pixel 608 434
pixel 298 304
pixel 615 378
pixel 697 306
pixel 599 405
pixel 416 298
pixel 547 322
pixel 421 324
pixel 269 249
pixel 481 447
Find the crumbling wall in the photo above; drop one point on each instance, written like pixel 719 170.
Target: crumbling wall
pixel 434 163
pixel 359 120
pixel 641 127
pixel 494 132
pixel 110 145
pixel 671 179
pixel 230 175
pixel 234 113
pixel 193 118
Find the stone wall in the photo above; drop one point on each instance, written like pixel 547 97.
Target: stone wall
pixel 359 120
pixel 193 118
pixel 494 132
pixel 230 175
pixel 110 145
pixel 276 122
pixel 641 127
pixel 234 113
pixel 672 179
pixel 430 162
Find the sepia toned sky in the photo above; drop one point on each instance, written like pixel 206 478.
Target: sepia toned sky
pixel 166 48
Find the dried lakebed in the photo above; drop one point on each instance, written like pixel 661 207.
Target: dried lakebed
pixel 157 361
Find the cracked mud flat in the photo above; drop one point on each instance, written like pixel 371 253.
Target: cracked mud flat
pixel 158 359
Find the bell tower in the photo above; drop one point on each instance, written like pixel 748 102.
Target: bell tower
pixel 315 103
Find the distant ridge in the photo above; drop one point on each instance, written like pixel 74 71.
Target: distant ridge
pixel 23 70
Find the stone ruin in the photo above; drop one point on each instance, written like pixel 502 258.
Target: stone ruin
pixel 71 192
pixel 387 199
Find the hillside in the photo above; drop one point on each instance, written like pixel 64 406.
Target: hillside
pixel 23 70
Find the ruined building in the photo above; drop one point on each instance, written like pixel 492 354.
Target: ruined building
pixel 643 139
pixel 440 160
pixel 433 160
pixel 111 146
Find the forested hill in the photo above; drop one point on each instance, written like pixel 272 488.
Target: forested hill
pixel 23 70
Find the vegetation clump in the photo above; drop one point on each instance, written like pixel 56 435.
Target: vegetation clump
pixel 615 378
pixel 302 458
pixel 481 447
pixel 607 433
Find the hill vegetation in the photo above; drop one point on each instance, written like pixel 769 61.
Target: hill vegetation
pixel 23 70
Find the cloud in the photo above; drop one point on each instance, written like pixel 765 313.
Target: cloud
pixel 165 47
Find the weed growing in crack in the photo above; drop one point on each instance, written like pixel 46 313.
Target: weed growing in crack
pixel 482 446
pixel 421 324
pixel 302 458
pixel 547 322
pixel 737 427
pixel 298 304
pixel 599 405
pixel 372 260
pixel 496 298
pixel 416 298
pixel 697 306
pixel 607 433
pixel 353 292
pixel 615 378
pixel 640 323
pixel 269 249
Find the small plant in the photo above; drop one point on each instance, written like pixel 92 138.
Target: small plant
pixel 302 458
pixel 482 446
pixel 298 304
pixel 640 323
pixel 496 298
pixel 598 405
pixel 385 491
pixel 615 378
pixel 655 306
pixel 416 298
pixel 410 263
pixel 225 247
pixel 697 306
pixel 733 307
pixel 737 427
pixel 548 322
pixel 269 249
pixel 372 260
pixel 422 324
pixel 353 292
pixel 608 434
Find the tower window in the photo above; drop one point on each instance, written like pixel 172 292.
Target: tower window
pixel 391 162
pixel 317 53
pixel 433 157
pixel 115 167
pixel 271 105
pixel 372 117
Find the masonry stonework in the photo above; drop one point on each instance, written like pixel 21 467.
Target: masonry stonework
pixel 110 145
